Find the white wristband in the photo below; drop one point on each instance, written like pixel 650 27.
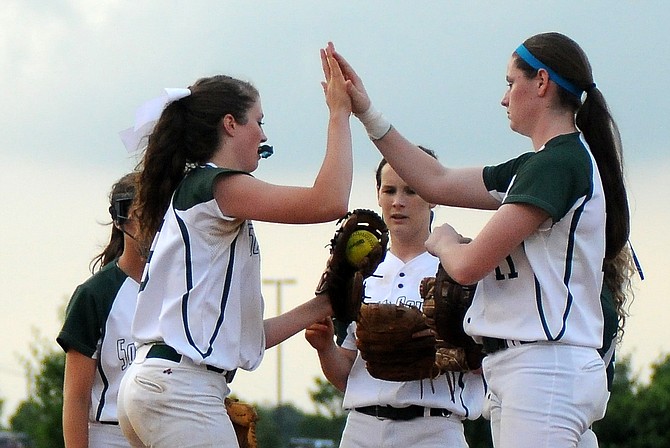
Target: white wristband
pixel 374 122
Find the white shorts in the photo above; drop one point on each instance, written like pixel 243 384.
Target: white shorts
pixel 168 404
pixel 544 394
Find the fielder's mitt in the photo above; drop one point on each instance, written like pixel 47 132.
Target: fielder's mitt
pixel 445 303
pixel 384 336
pixel 342 280
pixel 244 418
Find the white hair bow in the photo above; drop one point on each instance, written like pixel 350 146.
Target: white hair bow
pixel 147 115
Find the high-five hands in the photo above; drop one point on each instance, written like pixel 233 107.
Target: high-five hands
pixel 375 124
pixel 334 87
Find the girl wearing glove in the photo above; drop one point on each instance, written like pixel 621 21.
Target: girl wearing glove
pixel 419 413
pixel 561 214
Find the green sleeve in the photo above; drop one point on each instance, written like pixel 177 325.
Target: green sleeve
pixel 198 186
pixel 553 179
pixel 498 178
pixel 87 311
pixel 82 328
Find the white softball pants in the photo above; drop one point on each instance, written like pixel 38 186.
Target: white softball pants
pixel 164 404
pixel 544 395
pixel 366 431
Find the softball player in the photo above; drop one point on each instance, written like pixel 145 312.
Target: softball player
pixel 386 413
pixel 539 260
pixel 200 311
pixel 96 332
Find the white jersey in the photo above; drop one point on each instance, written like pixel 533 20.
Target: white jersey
pixel 201 288
pixel 398 283
pixel 97 325
pixel 548 288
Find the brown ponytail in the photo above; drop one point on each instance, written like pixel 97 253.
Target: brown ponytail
pixel 594 120
pixel 186 135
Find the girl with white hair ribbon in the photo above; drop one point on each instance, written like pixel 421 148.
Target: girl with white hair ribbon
pixel 200 310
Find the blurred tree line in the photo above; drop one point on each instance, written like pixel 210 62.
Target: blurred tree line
pixel 637 414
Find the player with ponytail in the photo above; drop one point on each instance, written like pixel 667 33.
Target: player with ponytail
pixel 200 309
pixel 96 333
pixel 561 218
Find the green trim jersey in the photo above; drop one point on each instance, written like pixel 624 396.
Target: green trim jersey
pixel 201 287
pixel 97 325
pixel 548 288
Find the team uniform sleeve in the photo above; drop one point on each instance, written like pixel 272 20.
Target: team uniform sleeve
pixel 200 186
pixel 81 329
pixel 549 179
pixel 498 178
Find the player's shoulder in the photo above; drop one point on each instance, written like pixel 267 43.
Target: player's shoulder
pixel 498 177
pixel 426 261
pixel 109 277
pixel 564 160
pixel 198 185
pixel 567 150
pixel 97 293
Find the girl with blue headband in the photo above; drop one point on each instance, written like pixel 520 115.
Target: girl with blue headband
pixel 559 232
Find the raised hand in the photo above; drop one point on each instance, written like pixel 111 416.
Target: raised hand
pixel 335 86
pixel 374 122
pixel 360 102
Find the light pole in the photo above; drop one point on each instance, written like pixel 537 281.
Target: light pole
pixel 278 284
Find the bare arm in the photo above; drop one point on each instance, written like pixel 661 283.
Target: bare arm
pixel 438 184
pixel 282 327
pixel 336 362
pixel 78 381
pixel 460 187
pixel 328 198
pixel 469 263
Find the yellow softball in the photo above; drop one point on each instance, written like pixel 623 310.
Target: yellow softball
pixel 360 243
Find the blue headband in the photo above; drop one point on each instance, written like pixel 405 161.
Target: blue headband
pixel 531 60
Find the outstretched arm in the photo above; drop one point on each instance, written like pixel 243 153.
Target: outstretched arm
pixel 282 327
pixel 327 199
pixel 336 362
pixel 460 187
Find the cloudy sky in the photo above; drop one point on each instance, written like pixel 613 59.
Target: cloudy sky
pixel 74 71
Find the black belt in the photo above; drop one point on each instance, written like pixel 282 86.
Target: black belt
pixel 163 351
pixel 408 413
pixel 492 345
